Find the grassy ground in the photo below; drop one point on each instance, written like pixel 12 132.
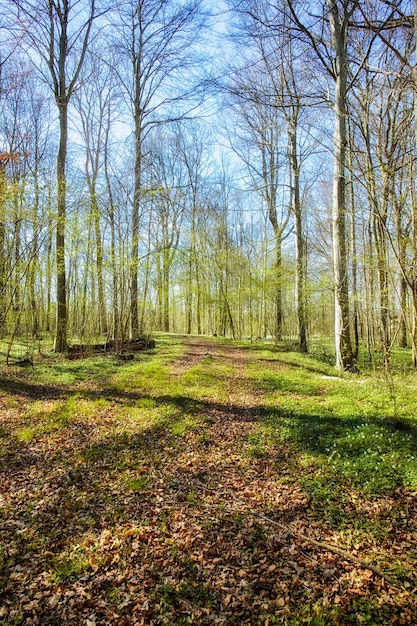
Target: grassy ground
pixel 206 482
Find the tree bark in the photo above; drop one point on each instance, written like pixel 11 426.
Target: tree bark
pixel 61 287
pixel 2 247
pixel 300 247
pixel 343 346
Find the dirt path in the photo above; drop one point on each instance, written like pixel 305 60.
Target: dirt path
pixel 230 449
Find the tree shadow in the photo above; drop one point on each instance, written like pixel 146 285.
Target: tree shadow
pixel 124 480
pixel 32 391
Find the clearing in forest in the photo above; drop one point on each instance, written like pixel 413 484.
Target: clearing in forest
pixel 206 482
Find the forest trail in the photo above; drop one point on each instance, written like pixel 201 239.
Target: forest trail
pixel 236 464
pixel 161 491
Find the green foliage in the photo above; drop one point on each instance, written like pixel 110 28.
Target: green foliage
pixel 138 483
pixel 256 451
pixel 68 566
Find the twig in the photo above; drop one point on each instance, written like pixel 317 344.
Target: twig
pixel 365 564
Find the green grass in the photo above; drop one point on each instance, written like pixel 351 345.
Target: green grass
pixel 139 483
pixel 137 440
pixel 68 566
pixel 353 434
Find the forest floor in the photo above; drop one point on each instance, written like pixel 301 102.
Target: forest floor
pixel 206 482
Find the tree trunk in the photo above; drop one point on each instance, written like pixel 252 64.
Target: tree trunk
pixel 343 346
pixel 198 295
pixel 414 209
pixel 146 282
pixel 134 262
pixel 61 288
pixel 2 248
pixel 49 271
pixel 402 335
pixel 115 290
pixel 99 261
pixel 115 283
pixel 300 247
pixel 34 261
pixel 165 289
pixel 354 257
pixel 278 284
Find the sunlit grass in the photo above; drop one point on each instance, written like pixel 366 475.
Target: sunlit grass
pixel 69 565
pixel 137 483
pixel 119 434
pixel 358 427
pixel 351 433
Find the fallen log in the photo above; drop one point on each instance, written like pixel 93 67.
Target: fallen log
pixel 78 350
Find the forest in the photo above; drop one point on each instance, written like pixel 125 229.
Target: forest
pixel 150 183
pixel 208 312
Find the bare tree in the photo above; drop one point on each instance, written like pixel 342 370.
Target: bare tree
pixel 58 33
pixel 157 40
pixel 328 35
pixel 95 106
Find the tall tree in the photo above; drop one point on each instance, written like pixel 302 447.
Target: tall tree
pixel 193 152
pixel 59 31
pixel 168 191
pixel 94 102
pixel 328 36
pixel 157 39
pixel 260 140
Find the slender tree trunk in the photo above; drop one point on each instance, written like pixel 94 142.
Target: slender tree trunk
pixel 191 271
pixel 61 287
pixel 84 298
pixel 34 262
pixel 159 289
pixel 198 297
pixel 102 314
pixel 189 294
pixel 413 293
pixel 165 289
pixel 134 262
pixel 381 251
pixel 146 282
pixel 134 269
pixel 370 289
pixel 402 335
pixel 300 247
pixel 354 257
pixel 2 248
pixel 115 288
pixel 113 257
pixel 343 346
pixel 277 273
pixel 49 265
pixel 354 285
pixel 278 284
pixel 402 239
pixel 17 304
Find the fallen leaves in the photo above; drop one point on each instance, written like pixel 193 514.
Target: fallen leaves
pixel 79 546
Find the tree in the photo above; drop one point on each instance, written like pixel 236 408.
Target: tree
pixel 193 150
pixel 59 32
pixel 167 188
pixel 274 72
pixel 333 56
pixel 258 140
pixel 157 39
pixel 94 102
pixel 382 119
